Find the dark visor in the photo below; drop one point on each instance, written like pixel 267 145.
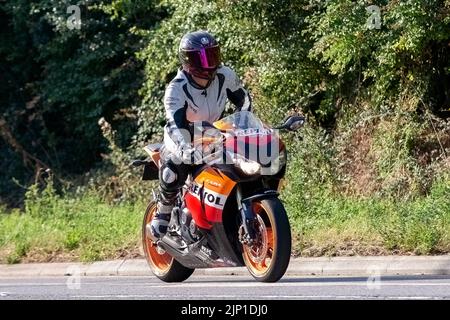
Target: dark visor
pixel 205 58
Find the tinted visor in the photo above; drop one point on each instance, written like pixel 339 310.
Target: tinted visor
pixel 204 58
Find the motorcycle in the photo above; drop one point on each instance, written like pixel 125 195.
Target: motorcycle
pixel 228 213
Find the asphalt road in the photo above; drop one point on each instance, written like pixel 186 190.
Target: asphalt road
pixel 226 287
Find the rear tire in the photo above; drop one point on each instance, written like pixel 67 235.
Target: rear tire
pixel 274 242
pixel 163 266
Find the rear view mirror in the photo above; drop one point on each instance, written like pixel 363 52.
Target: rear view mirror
pixel 292 123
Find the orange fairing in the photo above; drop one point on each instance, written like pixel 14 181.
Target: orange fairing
pixel 154 153
pixel 223 125
pixel 156 156
pixel 207 196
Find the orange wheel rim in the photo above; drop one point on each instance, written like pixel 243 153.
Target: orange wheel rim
pixel 258 256
pixel 158 260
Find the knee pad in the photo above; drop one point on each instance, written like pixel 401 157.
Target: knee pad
pixel 168 176
pixel 172 177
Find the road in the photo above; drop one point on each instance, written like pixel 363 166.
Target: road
pixel 225 287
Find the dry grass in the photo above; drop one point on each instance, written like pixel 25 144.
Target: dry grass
pixel 359 164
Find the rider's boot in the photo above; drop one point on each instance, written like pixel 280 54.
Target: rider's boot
pixel 160 222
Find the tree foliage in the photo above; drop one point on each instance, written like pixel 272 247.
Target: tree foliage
pixel 322 57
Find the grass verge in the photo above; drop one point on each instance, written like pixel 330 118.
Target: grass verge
pixel 54 228
pixel 331 225
pixel 84 228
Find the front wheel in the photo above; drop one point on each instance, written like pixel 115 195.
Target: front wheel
pixel 162 264
pixel 267 258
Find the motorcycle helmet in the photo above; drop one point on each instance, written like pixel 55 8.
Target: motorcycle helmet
pixel 199 54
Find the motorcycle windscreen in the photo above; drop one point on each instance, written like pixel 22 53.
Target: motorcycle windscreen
pixel 260 145
pixel 207 196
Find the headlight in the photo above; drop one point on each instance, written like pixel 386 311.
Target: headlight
pixel 276 164
pixel 248 167
pixel 281 159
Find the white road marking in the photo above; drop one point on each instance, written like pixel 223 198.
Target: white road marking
pixel 32 284
pixel 184 297
pixel 234 284
pixel 201 285
pixel 290 284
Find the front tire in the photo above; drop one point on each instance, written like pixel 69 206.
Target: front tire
pixel 162 264
pixel 268 258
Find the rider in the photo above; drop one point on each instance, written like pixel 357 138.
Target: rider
pixel 198 93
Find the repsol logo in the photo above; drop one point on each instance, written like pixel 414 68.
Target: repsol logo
pixel 210 197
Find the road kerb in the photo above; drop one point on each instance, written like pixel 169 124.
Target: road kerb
pixel 323 266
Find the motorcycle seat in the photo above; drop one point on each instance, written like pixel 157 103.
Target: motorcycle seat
pixel 154 147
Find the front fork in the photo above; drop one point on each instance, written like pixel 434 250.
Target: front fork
pixel 248 234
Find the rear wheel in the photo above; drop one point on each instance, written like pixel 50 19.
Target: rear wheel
pixel 267 258
pixel 162 264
